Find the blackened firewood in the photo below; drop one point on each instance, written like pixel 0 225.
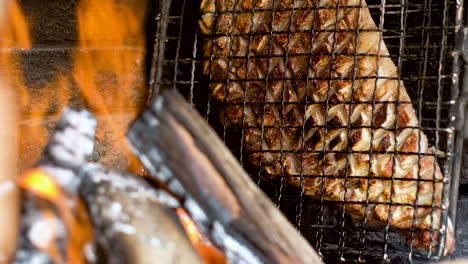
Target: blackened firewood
pixel 179 148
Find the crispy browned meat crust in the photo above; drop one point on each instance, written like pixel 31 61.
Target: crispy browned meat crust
pixel 292 101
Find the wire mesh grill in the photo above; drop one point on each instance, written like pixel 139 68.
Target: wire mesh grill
pixel 420 37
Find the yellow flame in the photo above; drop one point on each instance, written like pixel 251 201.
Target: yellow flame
pixel 38 182
pixel 74 215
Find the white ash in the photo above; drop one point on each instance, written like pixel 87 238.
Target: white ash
pixel 235 251
pixel 89 252
pixel 149 119
pixel 26 252
pixel 70 148
pixel 175 186
pixel 73 142
pixel 158 104
pixel 133 185
pixel 44 231
pixel 82 120
pixel 66 178
pixel 124 228
pixel 109 217
pixel 24 256
pixel 196 212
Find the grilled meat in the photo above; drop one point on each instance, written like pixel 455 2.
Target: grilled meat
pixel 303 79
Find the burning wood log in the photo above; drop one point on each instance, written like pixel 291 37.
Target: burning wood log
pixel 132 222
pixel 180 149
pixel 51 200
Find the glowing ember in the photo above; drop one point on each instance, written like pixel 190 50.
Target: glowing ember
pixel 207 251
pixel 190 227
pixel 39 183
pixel 73 214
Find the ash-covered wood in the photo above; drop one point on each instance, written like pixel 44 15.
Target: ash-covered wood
pixel 179 148
pixel 65 156
pixel 134 223
pixel 70 148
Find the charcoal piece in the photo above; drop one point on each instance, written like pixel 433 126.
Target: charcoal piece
pixel 179 148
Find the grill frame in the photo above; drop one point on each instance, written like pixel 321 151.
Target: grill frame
pixel 171 48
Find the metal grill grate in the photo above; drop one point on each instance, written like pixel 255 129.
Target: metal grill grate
pixel 420 37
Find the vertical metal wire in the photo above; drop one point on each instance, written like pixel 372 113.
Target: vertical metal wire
pixel 228 78
pixel 403 16
pixel 283 174
pixel 306 103
pixel 249 47
pixel 158 49
pixel 447 168
pixel 327 107
pixel 458 110
pixel 176 59
pixel 267 79
pixel 210 75
pixel 192 73
pixel 341 242
pixel 371 147
pixel 421 81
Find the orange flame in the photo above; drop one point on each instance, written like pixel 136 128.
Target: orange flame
pixel 14 34
pixel 207 251
pixel 108 69
pixel 74 215
pixel 15 38
pixel 112 42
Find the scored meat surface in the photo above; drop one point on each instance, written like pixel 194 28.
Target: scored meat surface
pixel 309 99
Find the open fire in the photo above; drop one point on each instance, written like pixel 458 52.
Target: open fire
pixel 107 66
pixel 68 207
pixel 111 44
pixel 140 177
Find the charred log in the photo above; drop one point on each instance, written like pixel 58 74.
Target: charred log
pixel 179 148
pixel 131 221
